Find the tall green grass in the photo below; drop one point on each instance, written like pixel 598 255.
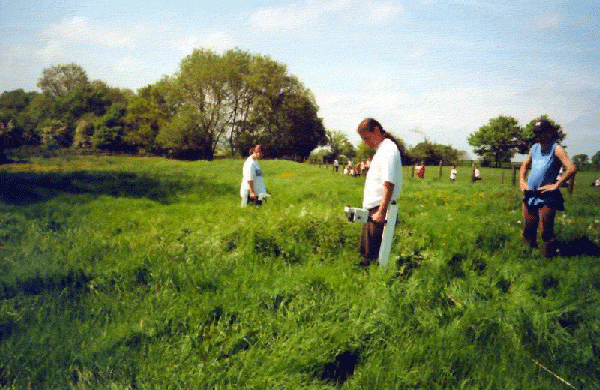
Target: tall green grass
pixel 134 273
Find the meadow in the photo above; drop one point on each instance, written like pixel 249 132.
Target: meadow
pixel 145 273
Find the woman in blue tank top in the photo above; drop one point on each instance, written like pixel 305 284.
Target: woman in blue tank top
pixel 542 195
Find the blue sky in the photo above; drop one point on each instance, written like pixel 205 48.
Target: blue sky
pixel 433 68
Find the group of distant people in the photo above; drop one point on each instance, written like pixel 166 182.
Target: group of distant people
pixel 355 170
pixel 541 188
pixel 475 173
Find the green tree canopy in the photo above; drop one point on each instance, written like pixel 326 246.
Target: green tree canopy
pixel 59 80
pixel 499 140
pixel 433 153
pixel 17 125
pixel 339 144
pixel 234 100
pixel 580 160
pixel 596 160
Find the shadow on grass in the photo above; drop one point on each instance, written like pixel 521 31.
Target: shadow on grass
pixel 74 281
pixel 578 247
pixel 25 188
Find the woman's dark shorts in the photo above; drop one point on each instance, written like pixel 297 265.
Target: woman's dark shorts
pixel 537 199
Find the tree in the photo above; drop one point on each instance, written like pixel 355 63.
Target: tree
pixel 108 133
pixel 580 160
pixel 198 96
pixel 596 160
pixel 147 112
pixel 62 79
pixel 298 130
pixel 338 143
pixel 433 153
pixel 17 125
pixel 239 98
pixel 283 115
pixel 364 151
pixel 499 140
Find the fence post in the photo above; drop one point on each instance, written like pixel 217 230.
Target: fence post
pixel 514 177
pixel 440 169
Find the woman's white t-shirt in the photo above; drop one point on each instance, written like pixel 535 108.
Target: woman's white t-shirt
pixel 251 171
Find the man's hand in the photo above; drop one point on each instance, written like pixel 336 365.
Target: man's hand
pixel 379 216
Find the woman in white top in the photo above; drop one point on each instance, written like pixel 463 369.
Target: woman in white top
pixel 253 183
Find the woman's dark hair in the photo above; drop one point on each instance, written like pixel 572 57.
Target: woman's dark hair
pixel 369 124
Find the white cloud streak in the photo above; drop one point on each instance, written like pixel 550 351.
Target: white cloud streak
pixel 299 15
pixel 82 30
pixel 218 41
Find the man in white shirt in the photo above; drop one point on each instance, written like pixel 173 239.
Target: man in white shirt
pixel 253 182
pixel 382 186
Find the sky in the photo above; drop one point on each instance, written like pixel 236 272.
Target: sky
pixel 426 69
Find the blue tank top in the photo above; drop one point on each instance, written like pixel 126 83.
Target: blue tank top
pixel 544 167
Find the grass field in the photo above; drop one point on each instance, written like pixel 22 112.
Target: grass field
pixel 145 273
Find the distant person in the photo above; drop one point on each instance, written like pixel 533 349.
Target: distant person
pixel 476 174
pixel 253 183
pixel 541 190
pixel 349 168
pixel 336 164
pixel 453 173
pixel 382 185
pixel 420 170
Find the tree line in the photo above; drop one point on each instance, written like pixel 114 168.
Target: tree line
pixel 229 101
pixel 431 153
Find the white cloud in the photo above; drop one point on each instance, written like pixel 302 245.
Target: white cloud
pixel 218 41
pixel 298 15
pixel 81 30
pixel 50 52
pixel 548 20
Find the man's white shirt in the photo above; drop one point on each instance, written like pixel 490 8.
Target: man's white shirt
pixel 386 166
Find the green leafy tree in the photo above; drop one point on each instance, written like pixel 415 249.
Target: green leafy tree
pixel 499 140
pixel 109 129
pixel 283 115
pixel 147 111
pixel 433 153
pixel 298 129
pixel 580 160
pixel 59 80
pixel 17 125
pixel 364 151
pixel 199 97
pixel 596 160
pixel 84 131
pixel 239 99
pixel 339 144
